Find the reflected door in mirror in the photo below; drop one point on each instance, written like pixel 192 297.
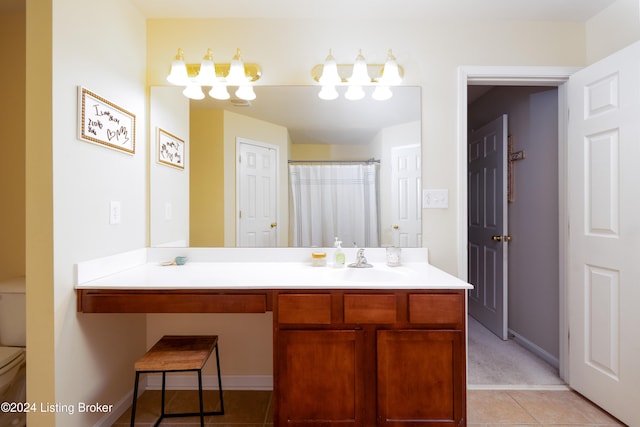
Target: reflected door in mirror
pixel 257 195
pixel 405 194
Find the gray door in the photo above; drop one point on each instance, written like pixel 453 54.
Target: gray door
pixel 487 227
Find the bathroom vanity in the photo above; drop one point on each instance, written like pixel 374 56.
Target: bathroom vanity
pixel 352 347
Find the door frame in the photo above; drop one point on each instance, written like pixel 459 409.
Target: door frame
pixel 519 76
pixel 239 141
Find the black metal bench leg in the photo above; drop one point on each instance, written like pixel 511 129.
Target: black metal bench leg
pixel 135 398
pixel 162 414
pixel 200 396
pixel 219 381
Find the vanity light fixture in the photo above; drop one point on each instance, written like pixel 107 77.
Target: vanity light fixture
pixel 331 74
pixel 217 76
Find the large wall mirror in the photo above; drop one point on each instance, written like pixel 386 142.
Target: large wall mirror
pixel 286 169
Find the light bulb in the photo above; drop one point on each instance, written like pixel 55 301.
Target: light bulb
pixel 246 92
pixel 381 93
pixel 328 93
pixel 236 76
pixel 193 91
pixel 330 74
pixel 219 91
pixel 390 72
pixel 207 74
pixel 354 93
pixel 178 75
pixel 360 75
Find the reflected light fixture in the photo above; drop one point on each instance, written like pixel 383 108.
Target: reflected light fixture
pixel 217 76
pixel 380 76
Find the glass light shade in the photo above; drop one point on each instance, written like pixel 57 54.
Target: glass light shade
pixel 354 93
pixel 237 76
pixel 178 75
pixel 207 74
pixel 219 91
pixel 328 93
pixel 382 93
pixel 330 74
pixel 246 92
pixel 193 91
pixel 360 75
pixel 390 72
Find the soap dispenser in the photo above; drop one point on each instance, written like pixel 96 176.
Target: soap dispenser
pixel 338 255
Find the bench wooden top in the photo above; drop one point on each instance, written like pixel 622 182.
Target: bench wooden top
pixel 178 353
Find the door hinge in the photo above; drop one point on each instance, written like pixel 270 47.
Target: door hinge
pixel 240 214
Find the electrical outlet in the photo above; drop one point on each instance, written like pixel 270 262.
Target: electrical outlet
pixel 435 199
pixel 115 212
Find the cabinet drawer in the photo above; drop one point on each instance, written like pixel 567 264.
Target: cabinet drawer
pixel 441 309
pixel 365 308
pixel 304 308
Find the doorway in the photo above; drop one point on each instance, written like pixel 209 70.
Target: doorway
pixel 517 76
pixel 528 236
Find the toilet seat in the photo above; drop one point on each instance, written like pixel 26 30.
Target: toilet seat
pixel 10 357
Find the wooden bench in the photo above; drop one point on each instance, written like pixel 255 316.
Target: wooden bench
pixel 178 353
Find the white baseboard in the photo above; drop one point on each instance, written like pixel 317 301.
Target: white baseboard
pixel 186 382
pixel 535 349
pixel 121 406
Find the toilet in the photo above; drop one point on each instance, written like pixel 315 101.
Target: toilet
pixel 12 348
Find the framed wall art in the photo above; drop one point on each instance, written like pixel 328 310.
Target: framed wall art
pixel 170 149
pixel 105 123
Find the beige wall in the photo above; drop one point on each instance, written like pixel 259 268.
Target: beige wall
pixel 12 123
pixel 169 194
pixel 71 357
pixel 331 152
pixel 612 29
pixel 39 212
pixel 207 178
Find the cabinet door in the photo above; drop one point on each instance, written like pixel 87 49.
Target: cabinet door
pixel 320 378
pixel 421 378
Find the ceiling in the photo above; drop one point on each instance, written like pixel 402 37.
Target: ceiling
pixel 548 10
pixel 311 120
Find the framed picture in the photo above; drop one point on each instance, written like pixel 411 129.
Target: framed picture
pixel 170 149
pixel 103 122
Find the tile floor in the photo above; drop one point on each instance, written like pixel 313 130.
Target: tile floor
pixel 485 408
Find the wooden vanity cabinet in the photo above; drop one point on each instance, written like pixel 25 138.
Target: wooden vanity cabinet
pixel 369 358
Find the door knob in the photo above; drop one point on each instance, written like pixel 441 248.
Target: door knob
pixel 395 226
pixel 496 238
pixel 274 224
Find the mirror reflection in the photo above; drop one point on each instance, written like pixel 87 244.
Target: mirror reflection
pixel 287 169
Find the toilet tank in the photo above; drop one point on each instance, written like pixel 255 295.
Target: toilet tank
pixel 13 313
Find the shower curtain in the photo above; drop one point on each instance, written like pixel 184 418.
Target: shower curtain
pixel 334 200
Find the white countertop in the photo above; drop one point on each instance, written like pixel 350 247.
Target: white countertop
pixel 279 275
pixel 225 269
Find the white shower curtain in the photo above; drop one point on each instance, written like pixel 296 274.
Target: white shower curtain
pixel 334 200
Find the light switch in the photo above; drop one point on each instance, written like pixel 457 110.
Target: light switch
pixel 115 212
pixel 168 211
pixel 435 199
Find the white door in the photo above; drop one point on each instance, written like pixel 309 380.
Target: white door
pixel 487 227
pixel 406 210
pixel 604 234
pixel 257 195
